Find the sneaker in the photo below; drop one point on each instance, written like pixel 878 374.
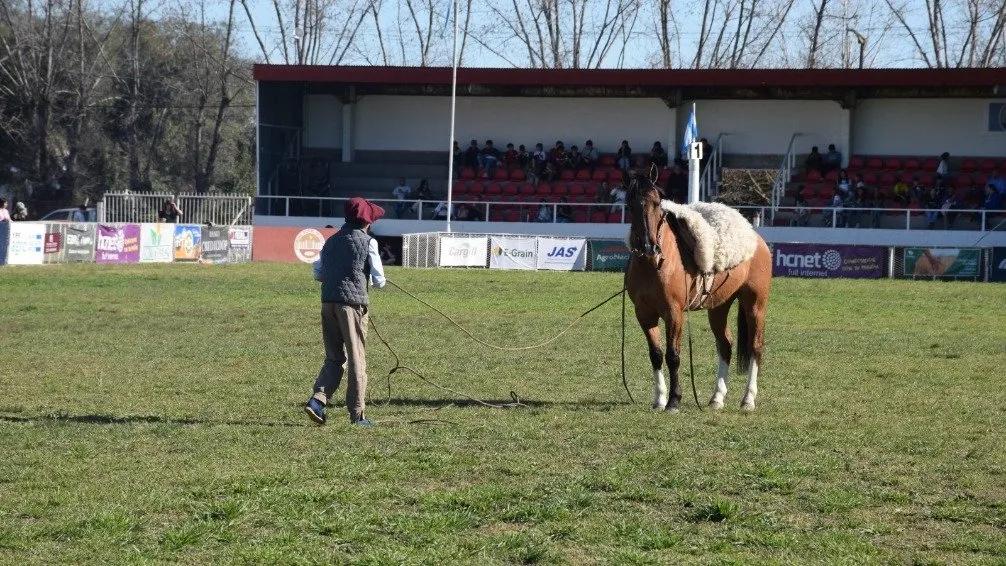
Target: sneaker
pixel 315 410
pixel 362 422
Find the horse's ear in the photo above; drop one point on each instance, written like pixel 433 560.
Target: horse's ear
pixel 654 173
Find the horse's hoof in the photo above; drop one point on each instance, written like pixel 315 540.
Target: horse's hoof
pixel 659 407
pixel 673 410
pixel 715 405
pixel 748 406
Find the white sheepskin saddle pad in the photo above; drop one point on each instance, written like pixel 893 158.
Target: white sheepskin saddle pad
pixel 723 239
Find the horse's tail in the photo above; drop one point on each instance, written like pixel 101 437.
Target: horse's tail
pixel 742 345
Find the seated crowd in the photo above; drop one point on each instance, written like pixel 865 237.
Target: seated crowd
pixel 548 182
pixel 930 186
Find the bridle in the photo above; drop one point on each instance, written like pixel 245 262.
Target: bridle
pixel 650 248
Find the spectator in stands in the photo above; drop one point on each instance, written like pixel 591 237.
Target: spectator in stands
pixel 401 192
pixel 510 161
pixel 590 155
pixel 618 196
pixel 677 183
pixel 476 212
pixel 472 156
pixel 169 213
pixel 999 183
pixel 550 171
pixel 4 213
pixel 918 192
pixel 852 203
pixel 575 159
pixel 623 157
pixel 20 212
pixel 875 201
pixel 488 159
pixel 707 153
pixel 558 156
pixel 564 212
pixel 843 183
pixel 388 257
pixel 657 155
pixel 462 212
pixel 993 201
pixel 538 160
pixel 832 159
pixel 951 203
pixel 943 169
pixel 814 161
pixel 440 212
pixel 802 213
pixel 544 212
pixel 932 205
pixel 423 193
pixel 835 214
pixel 901 192
pixel 459 157
pixel 523 157
pixel 80 215
pixel 603 195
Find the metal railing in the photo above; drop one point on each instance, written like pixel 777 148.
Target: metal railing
pixel 527 211
pixel 710 176
pixel 220 210
pixel 784 174
pixel 865 217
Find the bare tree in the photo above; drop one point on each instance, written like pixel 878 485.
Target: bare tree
pixel 739 33
pixel 815 34
pixel 958 33
pixel 308 32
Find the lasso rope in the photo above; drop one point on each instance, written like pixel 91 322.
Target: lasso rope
pixel 516 402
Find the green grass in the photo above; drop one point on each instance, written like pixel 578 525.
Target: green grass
pixel 152 414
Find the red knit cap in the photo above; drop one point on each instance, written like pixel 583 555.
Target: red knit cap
pixel 360 210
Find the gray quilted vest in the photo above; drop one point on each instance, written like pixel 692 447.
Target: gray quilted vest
pixel 344 267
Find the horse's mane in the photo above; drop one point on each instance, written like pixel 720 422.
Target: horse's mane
pixel 641 184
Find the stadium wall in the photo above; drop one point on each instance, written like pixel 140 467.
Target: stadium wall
pixel 926 127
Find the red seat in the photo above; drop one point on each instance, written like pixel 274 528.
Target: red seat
pixel 567 175
pixel 870 178
pixel 615 217
pixel 512 216
pixel 494 188
pixel 561 189
pixel 476 189
pixel 599 217
pixel 641 161
pixel 826 192
pixel 911 164
pixel 590 191
pixel 1002 167
pixel 500 174
pixel 460 187
pixel 665 174
pixel 969 166
pixel 987 166
pixel 517 175
pixel 856 162
pixel 831 176
pixel 813 176
pixel 887 178
pixel 930 164
pixel 907 177
pixel 874 163
pixel 981 180
pixel 576 189
pixel 543 189
pixel 580 216
pixel 467 173
pixel 527 189
pixel 893 164
pixel 583 175
pixel 599 175
pixel 927 179
pixel 607 160
pixel 808 193
pixel 511 189
pixel 615 176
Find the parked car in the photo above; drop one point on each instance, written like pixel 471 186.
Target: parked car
pixel 66 215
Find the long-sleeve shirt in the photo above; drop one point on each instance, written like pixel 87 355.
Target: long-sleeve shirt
pixel 376 272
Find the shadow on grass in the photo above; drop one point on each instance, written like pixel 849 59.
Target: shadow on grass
pixel 136 419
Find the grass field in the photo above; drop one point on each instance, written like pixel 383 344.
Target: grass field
pixel 152 414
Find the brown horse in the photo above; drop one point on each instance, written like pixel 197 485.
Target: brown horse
pixel 663 281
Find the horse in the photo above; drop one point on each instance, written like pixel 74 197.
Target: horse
pixel 664 279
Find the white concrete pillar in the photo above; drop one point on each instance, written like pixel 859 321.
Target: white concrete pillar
pixel 347 126
pixel 846 133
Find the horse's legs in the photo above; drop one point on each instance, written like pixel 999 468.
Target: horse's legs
pixel 718 322
pixel 673 323
pixel 650 324
pixel 753 313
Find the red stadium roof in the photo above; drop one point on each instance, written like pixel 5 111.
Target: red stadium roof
pixel 652 78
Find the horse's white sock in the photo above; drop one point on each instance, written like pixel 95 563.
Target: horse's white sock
pixel 722 372
pixel 752 390
pixel 659 390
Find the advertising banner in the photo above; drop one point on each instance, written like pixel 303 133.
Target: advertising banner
pixel 463 251
pixel 562 254
pixel 187 240
pixel 288 245
pixel 157 243
pixel 118 244
pixel 943 262
pixel 822 260
pixel 27 243
pixel 4 239
pixel 240 243
pixel 608 255
pixel 511 252
pixel 216 245
pixel 79 243
pixel 54 246
pixel 997 269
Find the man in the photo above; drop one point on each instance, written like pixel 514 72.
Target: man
pixel 348 259
pixel 832 159
pixel 488 159
pixel 80 215
pixel 590 155
pixel 401 192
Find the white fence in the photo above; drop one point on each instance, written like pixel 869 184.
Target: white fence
pixel 218 210
pixel 496 251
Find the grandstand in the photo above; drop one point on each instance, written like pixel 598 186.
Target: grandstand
pixel 326 133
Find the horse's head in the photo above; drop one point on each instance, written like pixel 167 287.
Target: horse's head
pixel 643 201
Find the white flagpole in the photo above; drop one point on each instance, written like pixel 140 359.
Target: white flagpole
pixel 694 165
pixel 454 97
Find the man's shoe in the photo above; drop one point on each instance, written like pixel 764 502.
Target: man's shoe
pixel 315 410
pixel 362 422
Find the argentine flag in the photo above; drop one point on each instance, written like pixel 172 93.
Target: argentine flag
pixel 691 134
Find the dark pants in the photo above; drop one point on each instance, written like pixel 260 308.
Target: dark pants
pixel 344 333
